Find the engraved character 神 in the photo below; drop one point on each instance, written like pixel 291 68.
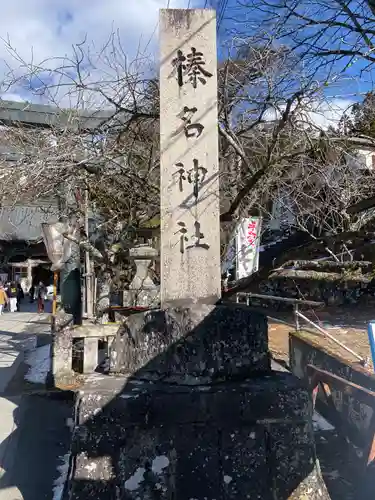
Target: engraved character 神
pixel 195 176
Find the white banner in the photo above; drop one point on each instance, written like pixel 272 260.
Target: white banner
pixel 248 239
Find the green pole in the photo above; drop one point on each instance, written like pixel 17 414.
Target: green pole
pixel 71 284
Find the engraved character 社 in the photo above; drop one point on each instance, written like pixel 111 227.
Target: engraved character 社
pixel 194 240
pixel 191 66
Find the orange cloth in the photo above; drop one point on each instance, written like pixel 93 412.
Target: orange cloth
pixel 3 297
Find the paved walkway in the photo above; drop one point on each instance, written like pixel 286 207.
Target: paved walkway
pixel 17 334
pixel 30 426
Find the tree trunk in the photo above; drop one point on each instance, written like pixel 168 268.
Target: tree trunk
pixel 321 276
pixel 326 265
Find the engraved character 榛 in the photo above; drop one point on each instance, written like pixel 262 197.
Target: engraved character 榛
pixel 179 65
pixel 192 66
pixel 194 240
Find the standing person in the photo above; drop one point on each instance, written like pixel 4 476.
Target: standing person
pixel 32 293
pixel 20 296
pixel 3 299
pixel 7 291
pixel 41 294
pixel 12 294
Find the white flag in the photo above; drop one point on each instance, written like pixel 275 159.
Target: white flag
pixel 248 239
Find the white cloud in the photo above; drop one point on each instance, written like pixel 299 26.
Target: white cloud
pixel 327 112
pixel 41 29
pixel 320 113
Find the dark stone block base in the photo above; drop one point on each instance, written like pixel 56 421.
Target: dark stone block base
pixel 213 342
pixel 232 440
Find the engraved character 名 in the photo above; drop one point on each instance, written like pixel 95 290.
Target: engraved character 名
pixel 191 129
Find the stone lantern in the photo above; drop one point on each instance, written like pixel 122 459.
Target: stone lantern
pixel 142 290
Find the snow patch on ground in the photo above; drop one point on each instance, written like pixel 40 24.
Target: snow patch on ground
pixel 63 470
pixel 134 481
pixel 158 465
pixel 321 424
pixel 39 361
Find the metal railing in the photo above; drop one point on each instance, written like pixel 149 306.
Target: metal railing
pixel 361 359
pixel 298 315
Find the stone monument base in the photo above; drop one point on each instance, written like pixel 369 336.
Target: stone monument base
pixel 142 440
pixel 197 414
pixel 200 341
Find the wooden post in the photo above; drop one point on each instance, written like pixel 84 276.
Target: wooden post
pixel 296 317
pixel 54 303
pixel 89 287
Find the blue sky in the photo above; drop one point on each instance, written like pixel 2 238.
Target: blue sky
pixel 43 29
pixel 348 83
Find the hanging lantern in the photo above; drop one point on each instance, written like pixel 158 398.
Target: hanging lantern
pixel 53 236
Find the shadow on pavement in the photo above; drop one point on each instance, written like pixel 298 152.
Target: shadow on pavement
pixel 31 454
pixel 33 429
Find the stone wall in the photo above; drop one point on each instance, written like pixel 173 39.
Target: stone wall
pixel 355 417
pixel 331 293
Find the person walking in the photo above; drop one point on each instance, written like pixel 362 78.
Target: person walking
pixel 12 294
pixel 41 294
pixel 3 299
pixel 20 296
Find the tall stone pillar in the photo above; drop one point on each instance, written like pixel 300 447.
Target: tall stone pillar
pixel 190 229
